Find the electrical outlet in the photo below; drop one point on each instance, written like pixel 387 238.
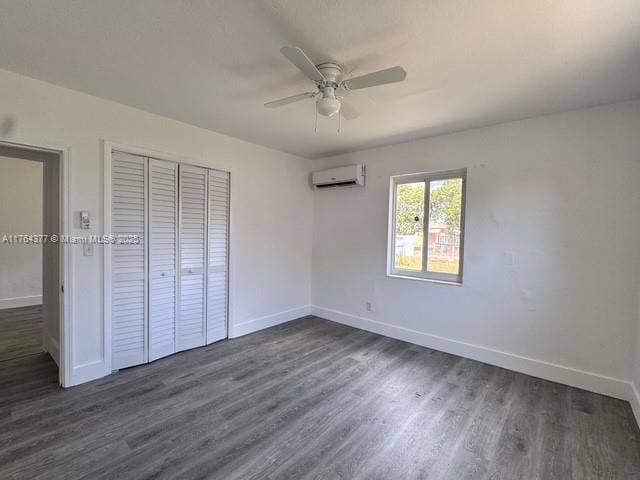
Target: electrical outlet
pixel 368 306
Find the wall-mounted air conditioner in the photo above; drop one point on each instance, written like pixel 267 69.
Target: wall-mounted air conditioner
pixel 349 176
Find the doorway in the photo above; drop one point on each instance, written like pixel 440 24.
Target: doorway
pixel 31 254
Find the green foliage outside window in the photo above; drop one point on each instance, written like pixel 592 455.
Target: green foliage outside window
pixel 446 204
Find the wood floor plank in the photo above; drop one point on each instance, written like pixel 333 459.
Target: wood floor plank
pixel 308 399
pixel 20 332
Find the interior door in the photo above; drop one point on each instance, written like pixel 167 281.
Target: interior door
pixel 218 236
pixel 193 230
pixel 51 253
pixel 129 261
pixel 163 245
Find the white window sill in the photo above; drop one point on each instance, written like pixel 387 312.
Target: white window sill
pixel 424 279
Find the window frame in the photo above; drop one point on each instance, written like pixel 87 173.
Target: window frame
pixel 424 274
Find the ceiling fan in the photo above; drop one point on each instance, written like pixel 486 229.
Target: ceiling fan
pixel 331 88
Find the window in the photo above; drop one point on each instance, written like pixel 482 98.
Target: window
pixel 426 236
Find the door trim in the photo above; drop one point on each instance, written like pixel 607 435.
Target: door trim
pixel 66 341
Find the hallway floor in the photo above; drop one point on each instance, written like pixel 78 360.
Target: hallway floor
pixel 20 332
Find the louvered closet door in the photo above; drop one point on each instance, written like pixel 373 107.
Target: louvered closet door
pixel 218 226
pixel 128 262
pixel 193 229
pixel 163 243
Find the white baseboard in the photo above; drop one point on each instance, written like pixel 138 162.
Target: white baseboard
pixel 267 321
pixel 16 302
pixel 593 382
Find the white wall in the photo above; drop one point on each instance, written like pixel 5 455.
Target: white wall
pixel 20 213
pixel 270 264
pixel 560 192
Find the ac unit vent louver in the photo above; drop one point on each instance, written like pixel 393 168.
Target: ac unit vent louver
pixel 348 176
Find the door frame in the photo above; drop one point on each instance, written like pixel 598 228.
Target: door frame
pixel 66 252
pixel 108 148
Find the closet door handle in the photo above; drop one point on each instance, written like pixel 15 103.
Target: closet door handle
pixel 162 274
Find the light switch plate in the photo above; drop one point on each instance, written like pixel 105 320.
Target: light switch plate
pixel 85 221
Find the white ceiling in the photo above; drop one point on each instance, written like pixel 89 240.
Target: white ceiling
pixel 214 63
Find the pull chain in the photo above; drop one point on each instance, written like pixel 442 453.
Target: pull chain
pixel 339 120
pixel 316 130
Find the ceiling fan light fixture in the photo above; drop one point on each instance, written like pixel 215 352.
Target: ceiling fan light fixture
pixel 328 106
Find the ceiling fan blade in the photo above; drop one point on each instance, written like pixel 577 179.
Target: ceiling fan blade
pixel 381 77
pixel 300 60
pixel 347 111
pixel 287 100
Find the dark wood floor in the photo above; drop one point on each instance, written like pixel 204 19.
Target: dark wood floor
pixel 20 332
pixel 310 399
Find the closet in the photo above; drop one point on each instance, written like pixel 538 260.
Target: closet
pixel 169 291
